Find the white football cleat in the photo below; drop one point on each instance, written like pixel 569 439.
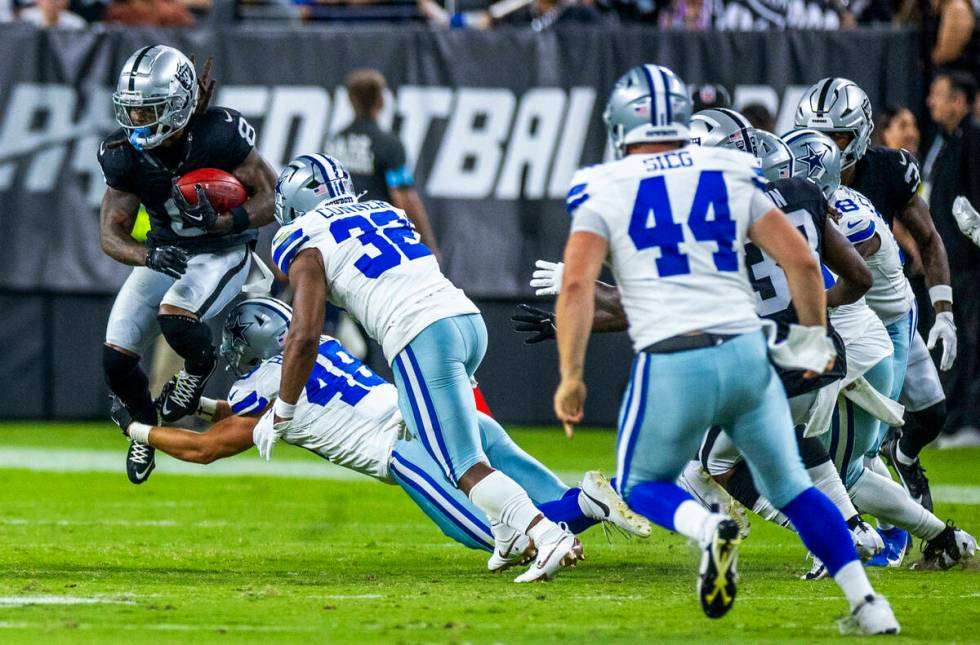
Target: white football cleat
pixel 600 502
pixel 817 572
pixel 867 541
pixel 873 616
pixel 511 548
pixel 552 556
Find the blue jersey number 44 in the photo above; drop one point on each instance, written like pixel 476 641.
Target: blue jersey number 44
pixel 653 203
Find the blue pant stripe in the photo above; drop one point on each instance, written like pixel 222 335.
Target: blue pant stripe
pixel 415 410
pixel 643 365
pixel 630 389
pixel 445 504
pixel 446 460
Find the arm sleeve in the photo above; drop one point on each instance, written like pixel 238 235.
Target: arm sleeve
pixel 254 392
pixel 116 167
pixel 906 179
pixel 581 208
pixel 288 241
pixel 857 227
pixel 588 220
pixel 396 171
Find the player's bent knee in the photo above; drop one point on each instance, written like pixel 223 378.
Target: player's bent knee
pixel 189 337
pixel 117 363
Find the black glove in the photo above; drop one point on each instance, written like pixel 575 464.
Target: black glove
pixel 535 321
pixel 199 215
pixel 169 260
pixel 120 414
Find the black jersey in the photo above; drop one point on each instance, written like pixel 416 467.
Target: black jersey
pixel 217 138
pixel 889 178
pixel 374 158
pixel 806 207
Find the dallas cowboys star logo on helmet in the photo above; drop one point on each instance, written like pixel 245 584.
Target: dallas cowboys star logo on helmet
pixel 813 160
pixel 237 330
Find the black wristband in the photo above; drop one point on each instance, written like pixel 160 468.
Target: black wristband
pixel 239 219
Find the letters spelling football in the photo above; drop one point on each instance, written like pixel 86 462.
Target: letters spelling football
pixel 223 189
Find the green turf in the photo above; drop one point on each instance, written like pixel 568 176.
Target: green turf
pixel 276 560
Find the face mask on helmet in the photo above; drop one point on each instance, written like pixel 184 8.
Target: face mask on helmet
pixel 836 106
pixel 815 157
pixel 723 128
pixel 310 181
pixel 254 330
pixel 649 104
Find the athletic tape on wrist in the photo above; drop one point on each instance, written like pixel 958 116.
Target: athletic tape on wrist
pixel 941 292
pixel 239 219
pixel 207 408
pixel 284 410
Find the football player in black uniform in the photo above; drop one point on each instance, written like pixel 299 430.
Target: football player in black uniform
pixel 890 179
pixel 195 260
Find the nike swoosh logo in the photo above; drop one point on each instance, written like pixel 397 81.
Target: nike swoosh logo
pixel 143 474
pixel 605 509
pixel 227 116
pixel 852 224
pixel 165 408
pixel 510 547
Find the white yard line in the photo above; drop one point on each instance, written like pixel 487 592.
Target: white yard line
pixel 26 601
pixel 111 461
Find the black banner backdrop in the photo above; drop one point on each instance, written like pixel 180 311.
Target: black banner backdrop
pixel 495 123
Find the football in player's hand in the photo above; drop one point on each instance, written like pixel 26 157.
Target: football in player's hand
pixel 223 189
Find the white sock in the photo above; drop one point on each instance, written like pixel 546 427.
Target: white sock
pixel 827 480
pixel 139 432
pixel 877 465
pixel 903 458
pixel 885 499
pixel 504 501
pixel 853 581
pixel 764 509
pixel 693 521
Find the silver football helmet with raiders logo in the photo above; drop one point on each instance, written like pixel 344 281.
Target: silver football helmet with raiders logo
pixel 254 330
pixel 833 105
pixel 723 128
pixel 775 155
pixel 815 157
pixel 648 104
pixel 309 181
pixel 155 96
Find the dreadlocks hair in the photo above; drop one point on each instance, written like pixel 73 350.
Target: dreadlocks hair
pixel 205 91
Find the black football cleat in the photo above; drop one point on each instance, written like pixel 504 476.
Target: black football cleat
pixel 912 476
pixel 182 394
pixel 140 462
pixel 951 547
pixel 717 584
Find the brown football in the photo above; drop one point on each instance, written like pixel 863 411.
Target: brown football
pixel 223 189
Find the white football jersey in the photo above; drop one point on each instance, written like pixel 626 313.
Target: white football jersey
pixel 891 295
pixel 676 223
pixel 376 268
pixel 347 414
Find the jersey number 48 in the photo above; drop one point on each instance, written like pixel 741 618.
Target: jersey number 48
pixel 652 223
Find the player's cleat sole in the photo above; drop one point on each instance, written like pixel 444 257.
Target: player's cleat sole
pixel 552 558
pixel 718 579
pixel 606 505
pixel 182 394
pixel 872 617
pixel 140 462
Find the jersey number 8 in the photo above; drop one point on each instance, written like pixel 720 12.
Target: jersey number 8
pixel 667 235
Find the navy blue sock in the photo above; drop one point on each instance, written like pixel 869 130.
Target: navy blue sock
pixel 821 528
pixel 567 510
pixel 658 501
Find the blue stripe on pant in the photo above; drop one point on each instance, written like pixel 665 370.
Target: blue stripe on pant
pixel 432 375
pixel 421 477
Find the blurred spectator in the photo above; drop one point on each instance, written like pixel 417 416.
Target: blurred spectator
pixel 759 116
pixel 91 10
pixel 896 127
pixel 6 11
pixel 157 13
pixel 762 15
pixel 52 13
pixel 950 40
pixel 538 14
pixel 375 158
pixel 951 168
pixel 690 15
pixel 710 95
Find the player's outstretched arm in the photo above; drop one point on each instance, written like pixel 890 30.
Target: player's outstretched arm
pixel 854 278
pixel 918 221
pixel 775 235
pixel 306 276
pixel 584 254
pixel 230 436
pixel 259 180
pixel 119 210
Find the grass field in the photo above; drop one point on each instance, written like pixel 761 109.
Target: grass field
pixel 303 555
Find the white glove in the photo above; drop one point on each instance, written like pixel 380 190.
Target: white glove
pixel 547 279
pixel 967 218
pixel 805 348
pixel 266 433
pixel 944 329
